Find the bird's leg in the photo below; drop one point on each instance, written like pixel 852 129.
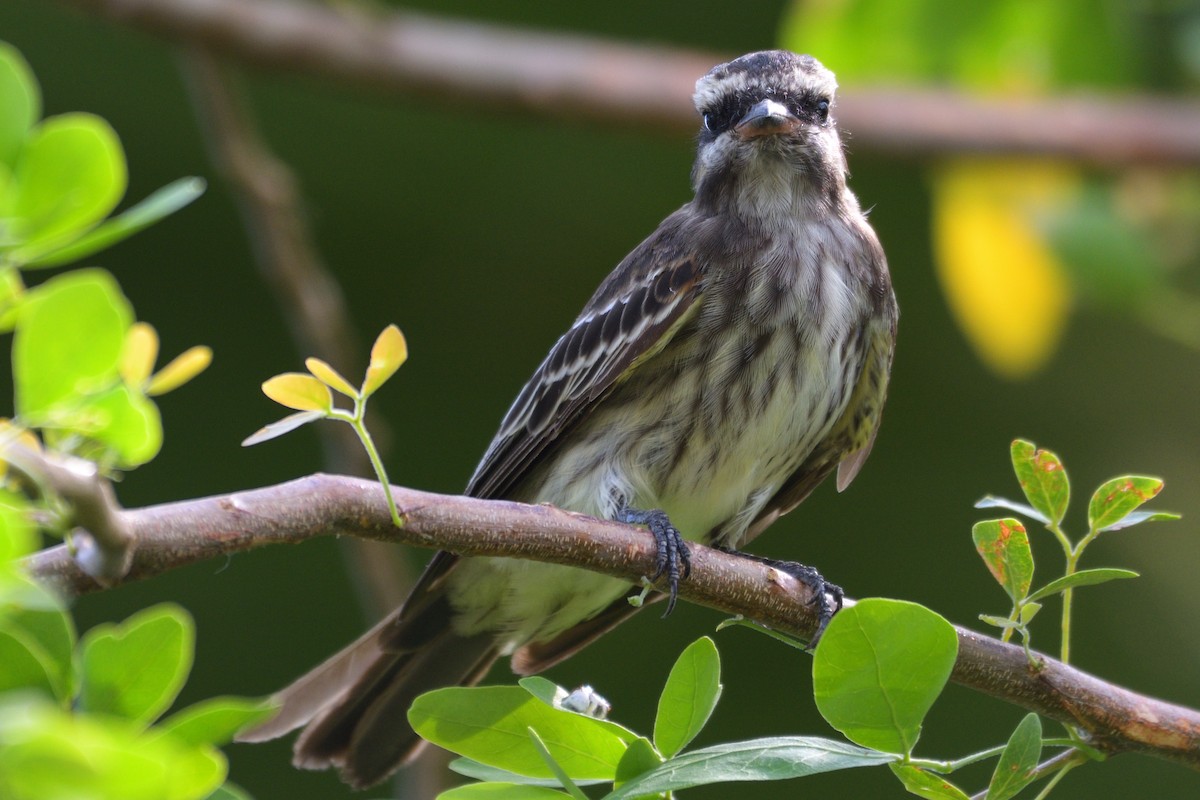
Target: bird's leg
pixel 673 558
pixel 810 577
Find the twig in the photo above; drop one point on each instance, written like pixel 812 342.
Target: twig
pixel 176 534
pixel 615 83
pixel 103 543
pixel 308 294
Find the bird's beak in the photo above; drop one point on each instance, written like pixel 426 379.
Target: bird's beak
pixel 767 118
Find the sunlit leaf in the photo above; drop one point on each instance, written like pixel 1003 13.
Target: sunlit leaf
pixel 139 353
pixel 69 176
pixel 299 391
pixel 180 370
pixel 1118 497
pixel 330 377
pixel 1043 479
pixel 878 669
pixel 20 102
pixel 501 791
pixel 69 339
pixel 388 353
pixel 1085 577
pixel 1002 280
pixel 1004 546
pixel 134 670
pixel 215 720
pixel 1014 770
pixel 689 697
pixel 490 724
pixel 926 784
pixel 769 759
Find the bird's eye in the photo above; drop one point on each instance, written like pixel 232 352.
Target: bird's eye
pixel 823 109
pixel 712 123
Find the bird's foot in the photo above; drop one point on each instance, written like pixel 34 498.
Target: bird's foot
pixel 673 559
pixel 826 596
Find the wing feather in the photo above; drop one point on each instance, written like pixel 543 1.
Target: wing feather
pixel 630 317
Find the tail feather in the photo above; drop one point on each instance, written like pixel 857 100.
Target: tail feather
pixel 353 707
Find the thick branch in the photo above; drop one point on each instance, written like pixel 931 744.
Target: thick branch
pixel 175 534
pixel 616 83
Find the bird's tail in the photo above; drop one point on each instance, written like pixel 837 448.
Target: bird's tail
pixel 354 706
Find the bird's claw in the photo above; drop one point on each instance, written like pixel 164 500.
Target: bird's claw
pixel 672 557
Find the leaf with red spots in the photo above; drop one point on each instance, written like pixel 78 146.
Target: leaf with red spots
pixel 1042 478
pixel 1004 547
pixel 1116 499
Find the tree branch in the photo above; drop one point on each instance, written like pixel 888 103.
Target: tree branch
pixel 175 534
pixel 615 83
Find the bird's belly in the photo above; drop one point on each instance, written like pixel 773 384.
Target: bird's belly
pixel 523 601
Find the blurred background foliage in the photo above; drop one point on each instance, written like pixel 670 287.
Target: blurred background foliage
pixel 1039 299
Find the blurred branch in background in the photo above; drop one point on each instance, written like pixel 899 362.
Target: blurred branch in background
pixel 175 534
pixel 309 295
pixel 618 83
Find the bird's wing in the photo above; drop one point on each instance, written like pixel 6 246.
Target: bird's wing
pixel 632 315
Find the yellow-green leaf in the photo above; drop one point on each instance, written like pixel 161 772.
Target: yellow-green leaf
pixel 388 353
pixel 139 353
pixel 299 391
pixel 330 377
pixel 183 368
pixel 1002 280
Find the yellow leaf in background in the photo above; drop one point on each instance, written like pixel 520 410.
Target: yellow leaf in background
pixel 330 376
pixel 139 353
pixel 1003 282
pixel 387 354
pixel 183 368
pixel 299 391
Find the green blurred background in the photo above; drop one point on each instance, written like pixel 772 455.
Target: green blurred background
pixel 481 234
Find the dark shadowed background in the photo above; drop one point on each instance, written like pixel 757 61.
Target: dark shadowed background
pixel 481 233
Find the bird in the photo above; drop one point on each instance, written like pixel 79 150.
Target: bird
pixel 731 362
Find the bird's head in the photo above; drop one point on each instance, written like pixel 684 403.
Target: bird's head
pixel 767 127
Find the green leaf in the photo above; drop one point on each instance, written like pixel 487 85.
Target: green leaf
pixel 163 203
pixel 559 773
pixel 69 176
pixel 17 534
pixel 552 695
pixel 878 669
pixel 501 791
pixel 926 784
pixel 1014 770
pixel 689 697
pixel 229 791
pixel 991 501
pixel 20 102
pixel 215 721
pixel 1004 546
pixel 49 753
pixel 1042 478
pixel 50 635
pixel 136 669
pixel 769 759
pixel 1085 577
pixel 482 772
pixel 1116 499
pixel 68 340
pixel 25 664
pixel 640 758
pixel 490 725
pixel 129 425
